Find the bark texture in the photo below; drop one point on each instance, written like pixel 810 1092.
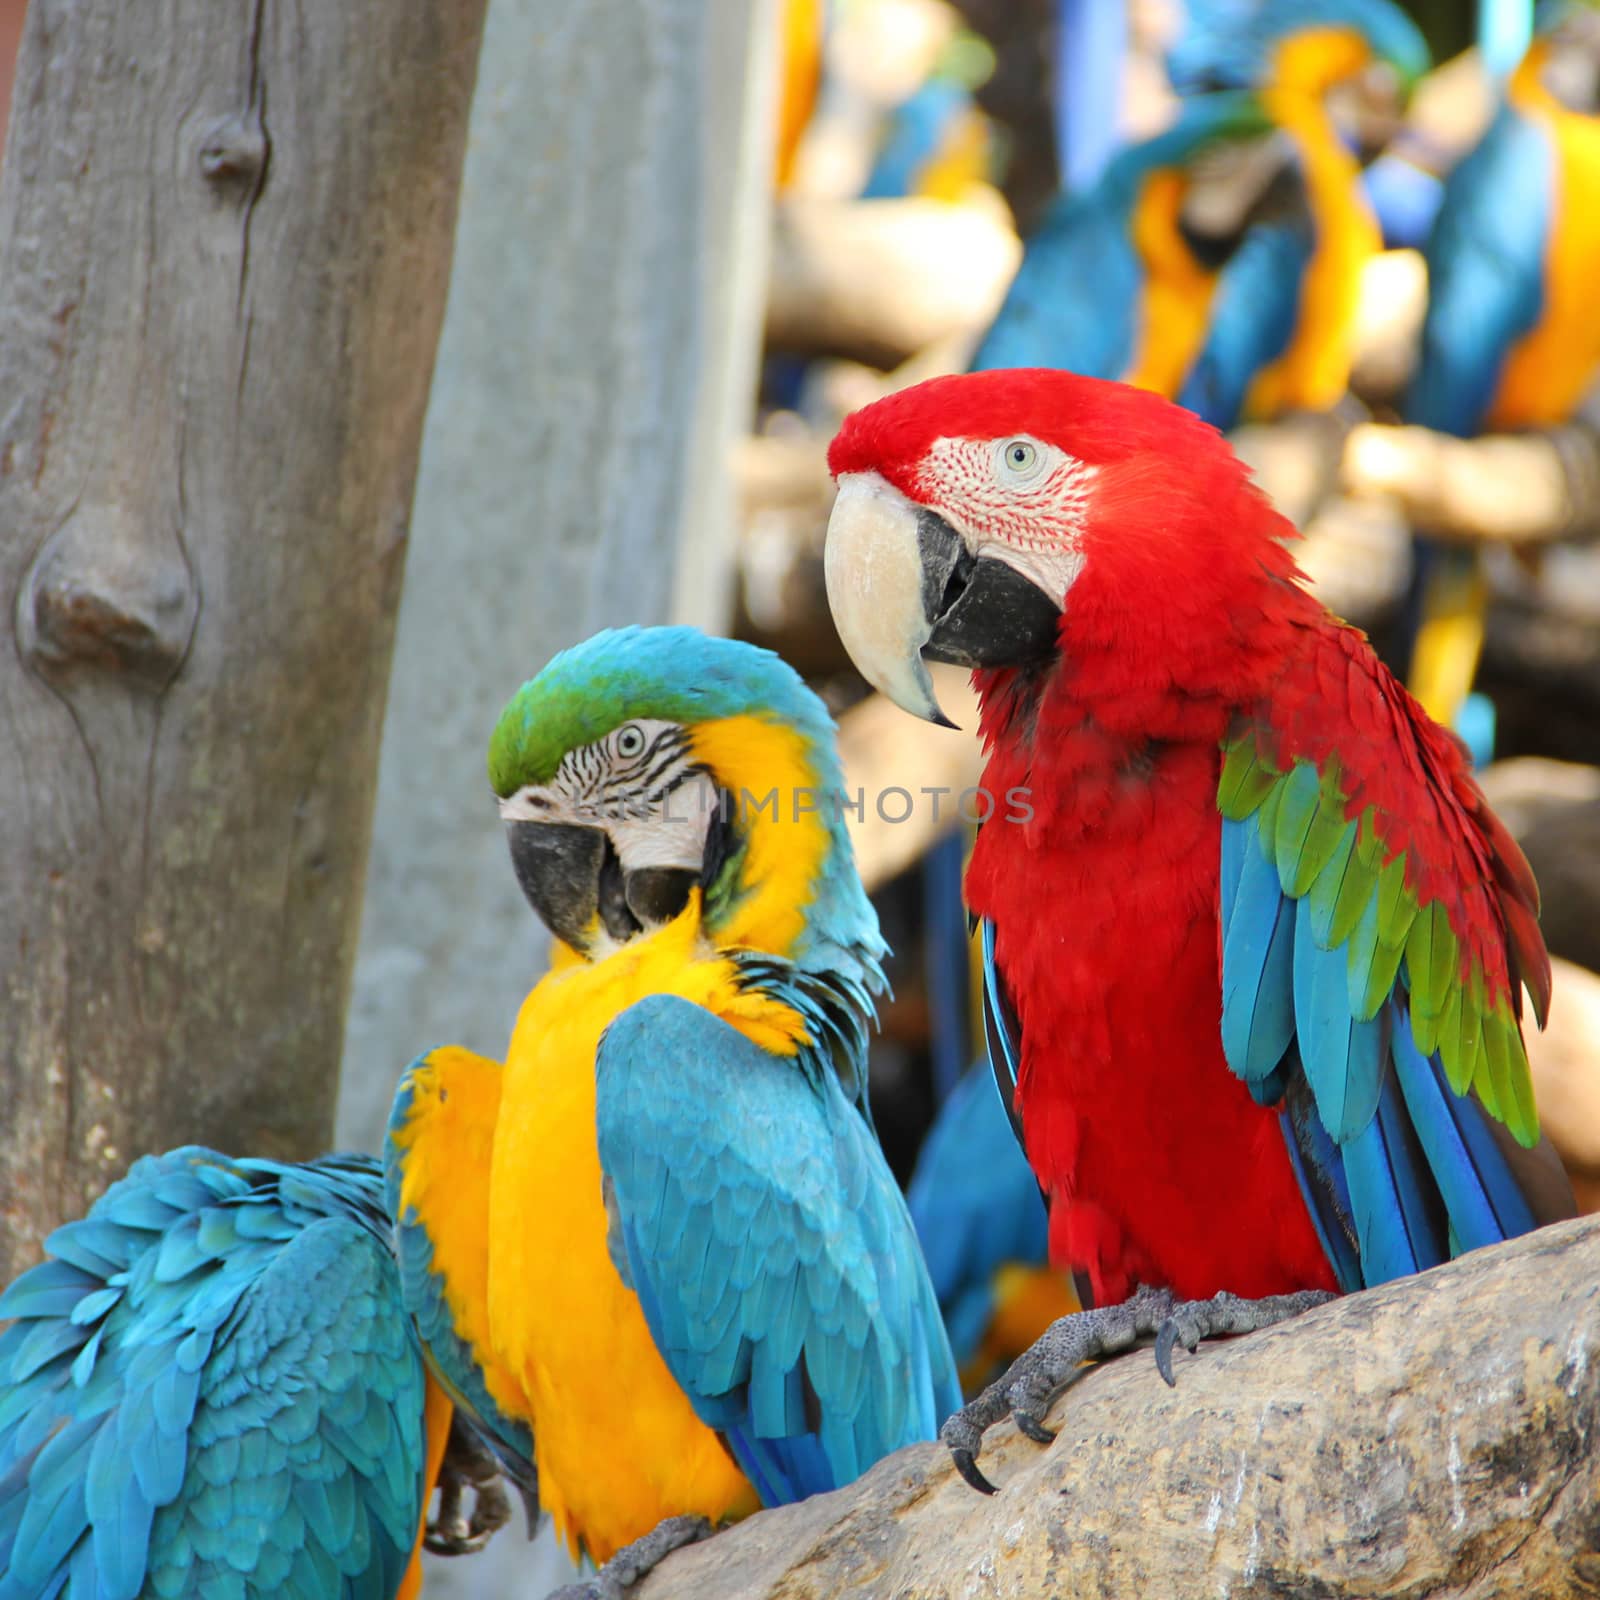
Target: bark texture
pixel 225 234
pixel 1435 1437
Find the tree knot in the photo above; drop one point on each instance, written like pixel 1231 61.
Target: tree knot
pixel 103 594
pixel 233 152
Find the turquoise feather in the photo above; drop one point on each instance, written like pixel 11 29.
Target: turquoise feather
pixel 1321 1014
pixel 769 1245
pixel 217 1347
pixel 1258 952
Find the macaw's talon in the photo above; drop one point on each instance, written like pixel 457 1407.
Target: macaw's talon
pixel 1190 1321
pixel 1029 1388
pixel 634 1562
pixel 452 1532
pixel 467 1464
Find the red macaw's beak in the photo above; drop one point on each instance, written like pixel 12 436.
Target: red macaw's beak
pixel 905 589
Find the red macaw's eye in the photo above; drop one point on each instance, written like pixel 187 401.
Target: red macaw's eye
pixel 1020 455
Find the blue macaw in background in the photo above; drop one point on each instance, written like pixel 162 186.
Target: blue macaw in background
pixel 1511 339
pixel 1250 315
pixel 212 1388
pixel 981 1221
pixel 1113 283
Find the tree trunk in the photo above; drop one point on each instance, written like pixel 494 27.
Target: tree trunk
pixel 1434 1437
pixel 225 234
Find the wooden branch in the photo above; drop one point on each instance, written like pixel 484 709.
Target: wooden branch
pixel 1434 1437
pixel 1565 1061
pixel 880 280
pixel 225 236
pixel 1520 488
pixel 1394 300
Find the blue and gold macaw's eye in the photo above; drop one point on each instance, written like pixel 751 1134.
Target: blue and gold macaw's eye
pixel 1020 456
pixel 630 741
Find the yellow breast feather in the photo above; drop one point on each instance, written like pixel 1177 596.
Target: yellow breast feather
pixel 446 1144
pixel 1178 290
pixel 1314 371
pixel 619 1446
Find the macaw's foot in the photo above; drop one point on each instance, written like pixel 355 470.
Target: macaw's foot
pixel 1190 1321
pixel 1026 1391
pixel 633 1562
pixel 466 1465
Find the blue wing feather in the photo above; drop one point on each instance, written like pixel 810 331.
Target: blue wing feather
pixel 702 1132
pixel 1253 317
pixel 1002 1030
pixel 1398 1173
pixel 1257 966
pixel 1485 273
pixel 1074 302
pixel 237 1331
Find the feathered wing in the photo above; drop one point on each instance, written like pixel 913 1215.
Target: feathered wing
pixel 770 1248
pixel 1486 262
pixel 212 1388
pixel 1377 925
pixel 1253 318
pixel 437 1153
pixel 1074 302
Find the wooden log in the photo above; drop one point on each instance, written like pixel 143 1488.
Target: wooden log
pixel 1527 488
pixel 1565 1062
pixel 880 280
pixel 225 237
pixel 1431 1438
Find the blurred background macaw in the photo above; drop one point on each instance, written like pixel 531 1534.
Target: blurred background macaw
pixel 1511 340
pixel 1220 262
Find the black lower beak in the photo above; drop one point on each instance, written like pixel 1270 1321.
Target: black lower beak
pixel 983 613
pixel 571 875
pixel 658 894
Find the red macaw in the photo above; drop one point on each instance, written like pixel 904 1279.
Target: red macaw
pixel 1256 943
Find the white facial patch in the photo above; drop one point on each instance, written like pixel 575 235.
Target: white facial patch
pixel 674 835
pixel 640 784
pixel 1017 499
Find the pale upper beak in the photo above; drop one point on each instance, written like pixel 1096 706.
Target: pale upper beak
pixel 875 572
pixel 904 586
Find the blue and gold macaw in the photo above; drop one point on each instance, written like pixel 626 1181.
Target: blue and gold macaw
pixel 1243 314
pixel 982 1223
pixel 1115 283
pixel 664 1232
pixel 213 1389
pixel 1511 339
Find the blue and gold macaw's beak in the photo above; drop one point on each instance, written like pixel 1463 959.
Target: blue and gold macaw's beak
pixel 905 589
pixel 574 878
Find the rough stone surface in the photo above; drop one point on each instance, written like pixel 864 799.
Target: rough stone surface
pixel 1432 1438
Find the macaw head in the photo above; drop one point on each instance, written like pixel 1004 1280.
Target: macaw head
pixel 1012 517
pixel 1300 44
pixel 1361 58
pixel 1217 167
pixel 647 766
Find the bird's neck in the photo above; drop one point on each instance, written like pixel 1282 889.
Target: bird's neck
pixel 1128 683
